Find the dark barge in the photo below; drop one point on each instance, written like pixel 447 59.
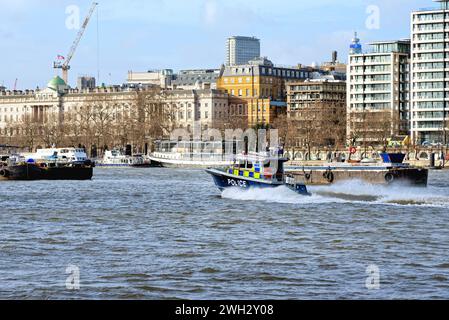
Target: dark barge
pixel 391 171
pixel 56 167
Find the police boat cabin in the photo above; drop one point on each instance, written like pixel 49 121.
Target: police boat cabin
pixel 256 170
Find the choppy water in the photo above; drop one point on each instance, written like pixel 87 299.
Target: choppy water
pixel 161 234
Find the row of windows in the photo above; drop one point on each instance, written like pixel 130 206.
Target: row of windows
pixel 370 106
pixel 371 97
pixel 430 95
pixel 430 75
pixel 430 17
pixel 430 56
pixel 371 59
pixel 430 115
pixel 429 105
pixel 429 27
pixel 430 46
pixel 428 85
pixel 318 96
pixel 428 65
pixel 372 78
pixel 429 36
pixel 285 73
pixel 318 88
pixel 371 87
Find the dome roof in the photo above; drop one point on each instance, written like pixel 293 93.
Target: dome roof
pixel 56 83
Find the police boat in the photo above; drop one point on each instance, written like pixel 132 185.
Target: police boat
pixel 258 170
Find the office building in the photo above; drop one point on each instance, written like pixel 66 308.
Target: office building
pixel 86 82
pixel 240 50
pixel 378 93
pixel 320 105
pixel 430 73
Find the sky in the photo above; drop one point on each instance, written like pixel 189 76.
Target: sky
pixel 142 35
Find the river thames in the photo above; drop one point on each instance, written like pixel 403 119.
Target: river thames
pixel 170 234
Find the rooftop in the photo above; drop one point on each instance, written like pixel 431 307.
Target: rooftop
pixel 444 5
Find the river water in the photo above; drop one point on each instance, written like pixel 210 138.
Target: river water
pixel 170 234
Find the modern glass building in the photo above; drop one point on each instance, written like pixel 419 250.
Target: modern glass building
pixel 241 50
pixel 378 90
pixel 430 74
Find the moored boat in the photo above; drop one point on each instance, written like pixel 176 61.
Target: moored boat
pixel 392 170
pixel 256 171
pixel 191 154
pixel 115 158
pixel 47 164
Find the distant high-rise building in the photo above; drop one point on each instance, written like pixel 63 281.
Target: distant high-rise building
pixel 430 71
pixel 86 83
pixel 241 50
pixel 378 92
pixel 356 46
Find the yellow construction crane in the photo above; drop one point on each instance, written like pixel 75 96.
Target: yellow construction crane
pixel 64 62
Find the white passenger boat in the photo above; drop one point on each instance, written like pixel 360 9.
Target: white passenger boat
pixel 191 155
pixel 116 158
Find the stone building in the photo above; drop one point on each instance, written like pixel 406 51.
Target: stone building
pixel 319 106
pixel 259 86
pixel 208 107
pixel 107 116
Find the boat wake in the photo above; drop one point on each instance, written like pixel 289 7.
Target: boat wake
pixel 278 195
pixel 351 191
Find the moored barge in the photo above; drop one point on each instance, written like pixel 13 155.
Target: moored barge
pixel 392 170
pixel 47 164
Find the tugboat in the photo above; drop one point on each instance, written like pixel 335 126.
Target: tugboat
pixel 261 170
pixel 47 164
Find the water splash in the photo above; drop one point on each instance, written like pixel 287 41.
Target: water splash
pixel 398 194
pixel 278 195
pixel 354 191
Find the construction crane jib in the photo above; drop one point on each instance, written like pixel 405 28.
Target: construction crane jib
pixel 66 65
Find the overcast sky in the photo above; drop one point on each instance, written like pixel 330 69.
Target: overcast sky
pixel 182 34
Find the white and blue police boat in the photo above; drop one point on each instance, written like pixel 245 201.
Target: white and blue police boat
pixel 258 170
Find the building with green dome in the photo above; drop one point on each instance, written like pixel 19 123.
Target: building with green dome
pixel 57 84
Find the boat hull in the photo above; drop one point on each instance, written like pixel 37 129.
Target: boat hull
pixel 35 172
pixel 382 175
pixel 189 164
pixel 225 181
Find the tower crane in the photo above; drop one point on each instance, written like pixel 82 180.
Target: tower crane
pixel 64 63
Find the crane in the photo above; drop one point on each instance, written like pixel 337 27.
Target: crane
pixel 65 66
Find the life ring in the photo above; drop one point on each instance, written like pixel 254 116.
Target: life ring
pixel 4 173
pixel 389 177
pixel 353 150
pixel 329 176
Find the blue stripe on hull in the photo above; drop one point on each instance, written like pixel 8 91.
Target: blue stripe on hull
pixel 223 182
